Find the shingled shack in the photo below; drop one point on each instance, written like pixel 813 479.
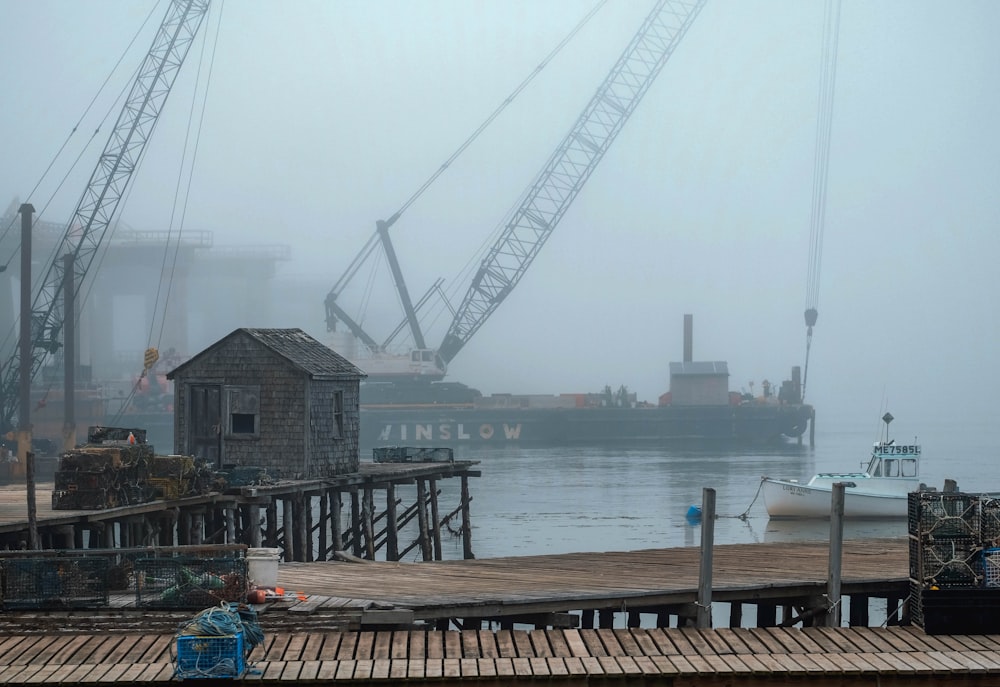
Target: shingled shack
pixel 277 399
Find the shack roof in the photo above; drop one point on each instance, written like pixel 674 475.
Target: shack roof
pixel 294 345
pixel 699 368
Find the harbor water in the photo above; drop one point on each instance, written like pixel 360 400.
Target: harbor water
pixel 542 501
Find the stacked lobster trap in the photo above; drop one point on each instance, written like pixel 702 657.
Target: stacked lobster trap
pixel 954 546
pixel 116 467
pixel 167 578
pixel 102 476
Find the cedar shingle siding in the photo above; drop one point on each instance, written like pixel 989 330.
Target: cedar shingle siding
pixel 285 403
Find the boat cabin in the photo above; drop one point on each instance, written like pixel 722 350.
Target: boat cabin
pixel 892 460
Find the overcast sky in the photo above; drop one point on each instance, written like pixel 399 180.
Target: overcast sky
pixel 324 116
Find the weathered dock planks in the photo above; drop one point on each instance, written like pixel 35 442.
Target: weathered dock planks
pixel 639 581
pixel 563 590
pixel 842 656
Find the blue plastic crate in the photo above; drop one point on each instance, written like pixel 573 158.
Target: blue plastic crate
pixel 210 657
pixel 991 567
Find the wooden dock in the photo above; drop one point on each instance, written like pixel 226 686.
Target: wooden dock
pixel 736 657
pixel 773 578
pixel 616 616
pixel 779 583
pixel 361 512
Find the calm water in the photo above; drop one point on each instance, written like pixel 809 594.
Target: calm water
pixel 537 501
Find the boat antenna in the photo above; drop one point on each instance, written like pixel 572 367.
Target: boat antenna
pixel 821 168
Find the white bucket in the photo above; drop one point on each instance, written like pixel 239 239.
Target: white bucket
pixel 262 566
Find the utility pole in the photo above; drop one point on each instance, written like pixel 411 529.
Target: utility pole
pixel 24 389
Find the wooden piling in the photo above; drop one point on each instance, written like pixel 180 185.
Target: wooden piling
pixel 466 519
pixel 435 520
pixel 391 525
pixel 704 618
pixel 356 521
pixel 836 553
pixel 288 530
pixel 425 546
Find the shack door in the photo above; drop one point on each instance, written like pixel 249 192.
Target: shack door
pixel 205 436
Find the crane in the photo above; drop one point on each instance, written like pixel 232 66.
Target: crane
pixel 104 190
pixel 545 202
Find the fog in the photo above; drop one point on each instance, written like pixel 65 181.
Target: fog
pixel 322 117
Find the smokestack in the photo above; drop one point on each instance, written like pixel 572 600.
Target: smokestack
pixel 687 338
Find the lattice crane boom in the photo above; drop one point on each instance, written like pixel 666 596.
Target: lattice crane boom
pixel 567 170
pixel 105 188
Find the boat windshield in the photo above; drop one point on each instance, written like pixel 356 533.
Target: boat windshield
pixel 892 467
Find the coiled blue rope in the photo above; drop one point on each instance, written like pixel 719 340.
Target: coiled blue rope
pixel 220 621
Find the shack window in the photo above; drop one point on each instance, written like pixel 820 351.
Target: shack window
pixel 242 412
pixel 338 414
pixel 244 423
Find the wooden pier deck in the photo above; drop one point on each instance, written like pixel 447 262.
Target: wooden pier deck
pixel 639 581
pixel 780 582
pixel 735 657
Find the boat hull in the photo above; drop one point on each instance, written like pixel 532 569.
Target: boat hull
pixel 784 499
pixel 544 427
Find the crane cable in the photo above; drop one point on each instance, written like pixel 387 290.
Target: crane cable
pixel 180 204
pixel 7 228
pixel 113 107
pixel 821 170
pixel 373 242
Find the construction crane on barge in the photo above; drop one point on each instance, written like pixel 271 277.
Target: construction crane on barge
pixel 545 203
pixel 91 219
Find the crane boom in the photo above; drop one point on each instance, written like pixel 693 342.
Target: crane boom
pixel 567 170
pixel 106 187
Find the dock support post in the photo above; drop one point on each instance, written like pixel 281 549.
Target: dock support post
pixel 466 520
pixel 368 509
pixel 858 615
pixel 272 527
pixel 230 516
pixel 587 619
pixel 735 614
pixel 288 530
pixel 606 618
pixel 356 522
pixel 435 520
pixel 836 553
pixel 253 524
pixel 425 543
pixel 335 522
pixel 303 527
pixel 767 615
pixel 324 524
pixel 704 618
pixel 391 525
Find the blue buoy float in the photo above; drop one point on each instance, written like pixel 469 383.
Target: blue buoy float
pixel 693 515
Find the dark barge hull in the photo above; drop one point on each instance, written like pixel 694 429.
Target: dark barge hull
pixel 555 427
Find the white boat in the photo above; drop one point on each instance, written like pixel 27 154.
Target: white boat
pixel 880 491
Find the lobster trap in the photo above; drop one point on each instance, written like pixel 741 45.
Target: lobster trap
pixel 187 582
pixel 55 582
pixel 412 454
pixel 943 514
